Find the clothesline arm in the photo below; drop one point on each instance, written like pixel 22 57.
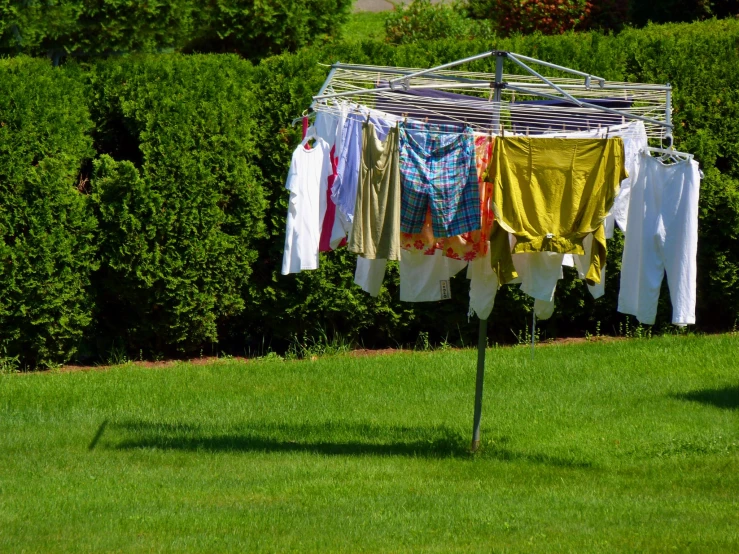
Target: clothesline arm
pixel 547 81
pixel 443 66
pixel 588 76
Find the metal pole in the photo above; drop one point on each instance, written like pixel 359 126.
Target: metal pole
pixel 501 56
pixel 533 331
pixel 482 342
pixel 668 116
pixel 325 84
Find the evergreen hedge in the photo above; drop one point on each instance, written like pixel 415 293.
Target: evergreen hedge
pixel 180 229
pixel 47 229
pixel 90 28
pixel 177 196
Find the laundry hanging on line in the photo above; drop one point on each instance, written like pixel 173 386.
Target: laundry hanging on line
pixel 473 242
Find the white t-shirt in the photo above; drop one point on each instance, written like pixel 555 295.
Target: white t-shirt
pixel 307 182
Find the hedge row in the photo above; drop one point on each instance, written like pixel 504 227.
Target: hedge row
pixel 88 28
pixel 143 204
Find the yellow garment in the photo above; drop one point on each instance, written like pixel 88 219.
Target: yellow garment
pixel 551 193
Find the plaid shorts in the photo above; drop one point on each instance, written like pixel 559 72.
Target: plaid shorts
pixel 438 170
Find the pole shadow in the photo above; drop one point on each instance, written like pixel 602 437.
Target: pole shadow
pixel 327 439
pixel 726 397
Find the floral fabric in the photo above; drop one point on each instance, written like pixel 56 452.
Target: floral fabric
pixel 467 246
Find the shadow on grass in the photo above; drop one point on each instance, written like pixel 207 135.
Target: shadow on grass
pixel 329 439
pixel 726 397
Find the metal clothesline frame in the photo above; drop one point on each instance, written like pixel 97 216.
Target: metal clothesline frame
pixel 547 89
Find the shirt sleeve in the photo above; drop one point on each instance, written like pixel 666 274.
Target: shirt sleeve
pixel 291 182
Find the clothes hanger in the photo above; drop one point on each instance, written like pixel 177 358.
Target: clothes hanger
pixel 309 134
pixel 308 112
pixel 669 154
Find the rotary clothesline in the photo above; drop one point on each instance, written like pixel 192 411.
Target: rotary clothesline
pixel 388 116
pixel 511 101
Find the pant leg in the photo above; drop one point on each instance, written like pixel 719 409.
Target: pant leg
pixel 650 268
pixel 680 239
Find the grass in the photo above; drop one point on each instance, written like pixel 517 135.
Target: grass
pixel 365 26
pixel 627 446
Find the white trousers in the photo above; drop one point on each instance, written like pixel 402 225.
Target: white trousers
pixel 662 236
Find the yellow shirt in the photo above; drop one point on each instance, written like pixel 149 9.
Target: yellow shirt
pixel 551 193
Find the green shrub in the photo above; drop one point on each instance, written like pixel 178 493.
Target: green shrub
pixel 181 206
pixel 47 231
pixel 94 27
pixel 85 28
pixel 527 16
pixel 422 20
pixel 255 28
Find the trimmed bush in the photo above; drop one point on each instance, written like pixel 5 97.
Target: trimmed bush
pixel 422 20
pixel 527 16
pixel 94 27
pixel 97 27
pixel 255 29
pixel 180 207
pixel 47 230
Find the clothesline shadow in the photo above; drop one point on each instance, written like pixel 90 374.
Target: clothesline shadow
pixel 329 439
pixel 340 439
pixel 724 397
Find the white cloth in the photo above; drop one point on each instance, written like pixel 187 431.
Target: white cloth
pixel 543 309
pixel 426 278
pixel 539 273
pixel 582 263
pixel 325 125
pixel 483 286
pixel 370 274
pixel 307 182
pixel 662 236
pixel 341 229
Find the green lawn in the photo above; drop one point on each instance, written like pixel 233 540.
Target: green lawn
pixel 628 446
pixel 365 26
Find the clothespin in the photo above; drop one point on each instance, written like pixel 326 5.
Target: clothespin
pixel 527 131
pixel 502 130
